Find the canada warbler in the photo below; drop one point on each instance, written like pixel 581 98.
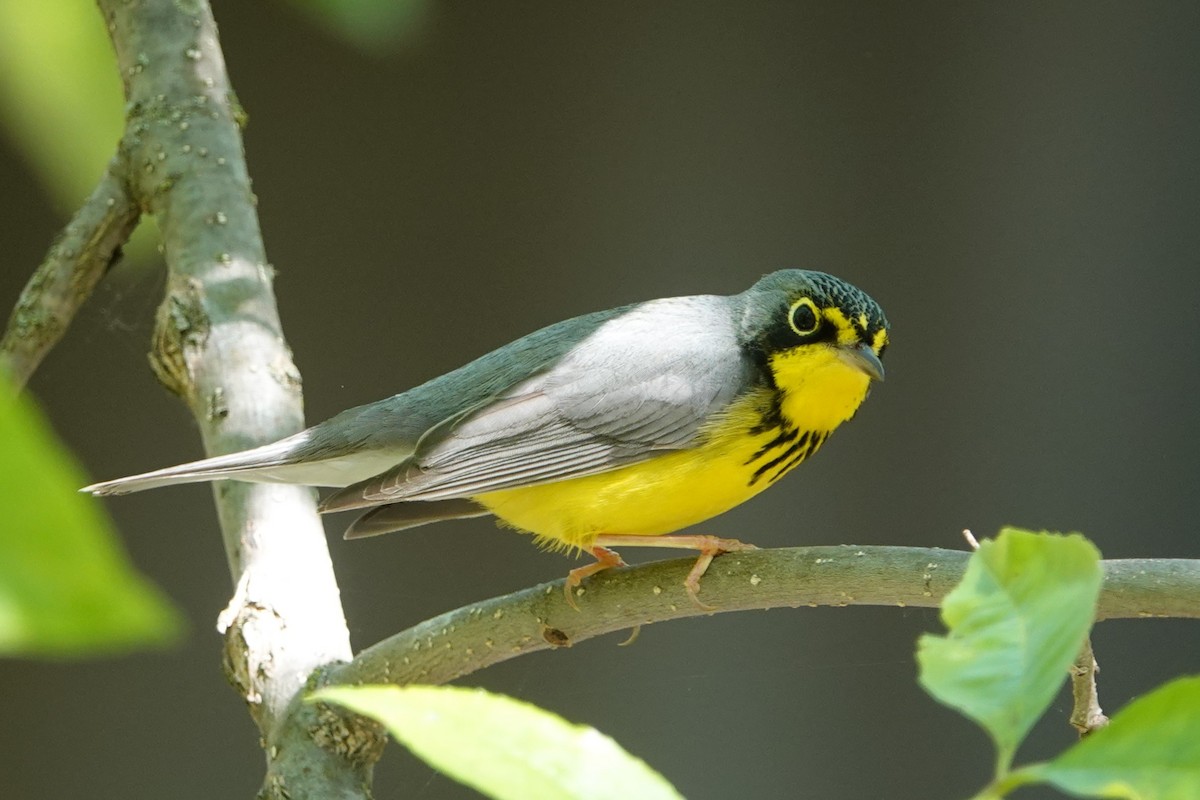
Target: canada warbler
pixel 609 429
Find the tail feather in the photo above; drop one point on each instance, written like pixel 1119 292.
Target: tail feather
pixel 247 465
pixel 404 515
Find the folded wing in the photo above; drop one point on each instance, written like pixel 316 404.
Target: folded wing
pixel 641 384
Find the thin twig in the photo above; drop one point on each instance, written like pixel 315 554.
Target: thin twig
pixel 476 636
pixel 79 257
pixel 1086 715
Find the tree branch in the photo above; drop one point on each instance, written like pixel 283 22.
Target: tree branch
pixel 460 642
pixel 1086 714
pixel 80 256
pixel 219 346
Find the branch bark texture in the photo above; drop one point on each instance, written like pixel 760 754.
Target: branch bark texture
pixel 1086 714
pixel 219 346
pixel 80 256
pixel 460 642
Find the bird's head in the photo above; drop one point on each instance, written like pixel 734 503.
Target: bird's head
pixel 820 338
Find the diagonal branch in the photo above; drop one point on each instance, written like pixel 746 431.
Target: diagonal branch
pixel 476 636
pixel 219 346
pixel 80 256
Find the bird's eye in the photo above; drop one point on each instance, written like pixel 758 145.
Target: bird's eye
pixel 803 317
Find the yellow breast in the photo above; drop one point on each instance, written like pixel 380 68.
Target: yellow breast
pixel 740 452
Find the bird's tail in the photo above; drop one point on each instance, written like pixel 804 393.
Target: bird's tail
pixel 255 464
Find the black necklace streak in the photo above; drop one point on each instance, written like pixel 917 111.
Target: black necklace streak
pixel 797 446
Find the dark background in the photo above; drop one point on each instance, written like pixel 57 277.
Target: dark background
pixel 1015 183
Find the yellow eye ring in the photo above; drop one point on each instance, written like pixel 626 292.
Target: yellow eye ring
pixel 804 317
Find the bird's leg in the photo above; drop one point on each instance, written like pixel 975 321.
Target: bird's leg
pixel 605 559
pixel 709 546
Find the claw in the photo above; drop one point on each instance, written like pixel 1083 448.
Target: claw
pixel 692 582
pixel 605 559
pixel 709 546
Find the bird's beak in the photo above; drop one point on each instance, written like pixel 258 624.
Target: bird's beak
pixel 862 357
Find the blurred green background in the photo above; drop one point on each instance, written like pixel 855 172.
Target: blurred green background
pixel 1018 185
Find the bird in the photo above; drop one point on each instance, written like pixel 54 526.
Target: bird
pixel 612 429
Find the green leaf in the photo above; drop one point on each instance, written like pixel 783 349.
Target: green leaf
pixel 1149 751
pixel 60 94
pixel 505 748
pixel 1017 621
pixel 66 589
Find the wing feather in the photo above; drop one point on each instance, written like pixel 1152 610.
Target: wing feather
pixel 641 384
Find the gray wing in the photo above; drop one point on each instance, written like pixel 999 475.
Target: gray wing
pixel 642 383
pixel 363 441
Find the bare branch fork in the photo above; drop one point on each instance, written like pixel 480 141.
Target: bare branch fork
pixel 218 344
